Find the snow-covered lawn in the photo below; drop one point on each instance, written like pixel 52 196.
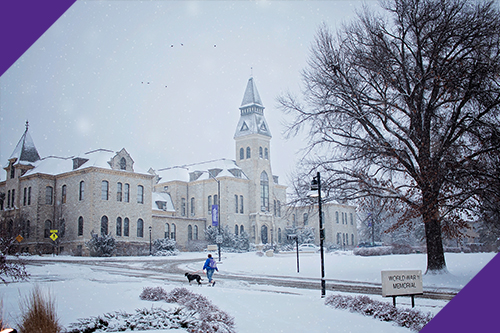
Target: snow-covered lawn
pixel 82 291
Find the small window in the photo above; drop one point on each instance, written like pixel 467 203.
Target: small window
pixel 104 190
pixel 352 239
pixel 123 164
pixel 8 198
pixel 337 217
pixel 140 228
pixel 29 195
pixel 140 194
pixel 48 227
pixel 118 226
pixel 81 190
pixel 167 230
pixel 236 204
pixel 49 192
pixel 241 204
pixel 126 194
pixel 12 171
pixel 279 235
pixel 80 226
pixel 104 225
pixel 25 196
pixel 248 152
pixel 190 232
pixel 209 204
pixel 266 153
pixel 173 234
pixel 260 152
pixel 119 188
pixel 192 207
pixel 242 229
pixel 236 229
pixel 242 153
pixel 195 236
pixel 126 227
pixel 183 206
pixel 352 220
pixel 63 194
pixel 279 208
pixel 14 198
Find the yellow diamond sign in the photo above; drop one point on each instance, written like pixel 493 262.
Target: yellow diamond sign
pixel 53 237
pixel 19 238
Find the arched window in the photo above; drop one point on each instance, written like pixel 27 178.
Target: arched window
pixel 260 152
pixel 209 204
pixel 242 229
pixel 104 225
pixel 81 190
pixel 352 220
pixel 338 238
pixel 140 228
pixel 80 226
pixel 46 231
pixel 140 194
pixel 236 229
pixel 183 206
pixel 119 187
pixel 173 235
pixel 236 203
pixel 264 192
pixel 49 192
pixel 263 234
pixel 167 231
pixel 337 216
pixel 248 152
pixel 192 207
pixel 242 153
pixel 190 232
pixel 279 235
pixel 104 190
pixel 266 153
pixel 63 194
pixel 352 239
pixel 195 232
pixel 123 164
pixel 241 204
pixel 126 193
pixel 118 226
pixel 12 171
pixel 126 227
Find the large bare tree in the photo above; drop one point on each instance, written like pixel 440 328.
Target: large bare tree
pixel 404 104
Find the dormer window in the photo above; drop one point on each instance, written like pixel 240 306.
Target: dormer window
pixel 214 172
pixel 123 164
pixel 12 171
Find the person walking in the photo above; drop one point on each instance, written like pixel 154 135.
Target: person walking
pixel 211 267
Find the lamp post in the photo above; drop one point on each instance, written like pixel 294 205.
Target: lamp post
pixel 150 251
pixel 219 237
pixel 316 185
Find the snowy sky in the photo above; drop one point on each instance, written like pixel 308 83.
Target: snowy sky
pixel 84 84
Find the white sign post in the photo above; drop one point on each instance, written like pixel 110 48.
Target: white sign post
pixel 402 283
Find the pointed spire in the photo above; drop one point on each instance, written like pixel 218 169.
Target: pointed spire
pixel 251 96
pixel 25 150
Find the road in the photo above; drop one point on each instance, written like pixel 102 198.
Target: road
pixel 155 269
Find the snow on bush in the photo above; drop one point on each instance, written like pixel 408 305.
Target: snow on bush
pixel 409 318
pixel 101 246
pixel 209 318
pixel 165 247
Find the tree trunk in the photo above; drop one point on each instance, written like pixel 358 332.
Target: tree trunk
pixel 435 251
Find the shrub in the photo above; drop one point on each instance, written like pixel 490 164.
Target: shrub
pixel 101 246
pixel 38 314
pixel 410 318
pixel 165 247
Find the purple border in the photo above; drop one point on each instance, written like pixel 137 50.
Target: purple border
pixel 22 22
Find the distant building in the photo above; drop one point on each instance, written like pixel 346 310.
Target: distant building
pixel 55 203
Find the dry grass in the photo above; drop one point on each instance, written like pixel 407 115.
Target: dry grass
pixel 38 313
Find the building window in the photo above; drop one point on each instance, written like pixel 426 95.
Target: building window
pixel 104 225
pixel 126 227
pixel 173 235
pixel 337 217
pixel 279 235
pixel 338 238
pixel 12 171
pixel 242 229
pixel 183 206
pixel 236 204
pixel 118 226
pixel 190 232
pixel 266 153
pixel 8 199
pixel 352 219
pixel 192 207
pixel 49 192
pixel 140 228
pixel 123 164
pixel 279 208
pixel 14 198
pixel 48 227
pixel 167 230
pixel 126 194
pixel 306 219
pixel 80 226
pixel 63 194
pixel 352 239
pixel 81 190
pixel 195 232
pixel 242 153
pixel 236 229
pixel 25 196
pixel 140 194
pixel 264 192
pixel 216 200
pixel 241 204
pixel 260 152
pixel 248 152
pixel 119 188
pixel 29 195
pixel 104 190
pixel 209 204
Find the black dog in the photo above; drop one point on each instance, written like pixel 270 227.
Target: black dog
pixel 192 277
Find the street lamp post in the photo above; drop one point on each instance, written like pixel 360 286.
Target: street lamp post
pixel 219 240
pixel 316 185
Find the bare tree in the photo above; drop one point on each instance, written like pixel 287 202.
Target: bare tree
pixel 11 269
pixel 402 105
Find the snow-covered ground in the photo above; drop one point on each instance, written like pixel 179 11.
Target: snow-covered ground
pixel 82 291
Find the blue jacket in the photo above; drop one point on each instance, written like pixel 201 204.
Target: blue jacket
pixel 207 264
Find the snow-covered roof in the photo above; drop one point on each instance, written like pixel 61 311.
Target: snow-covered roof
pixel 252 120
pixel 251 96
pixel 162 201
pixel 25 151
pixel 202 171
